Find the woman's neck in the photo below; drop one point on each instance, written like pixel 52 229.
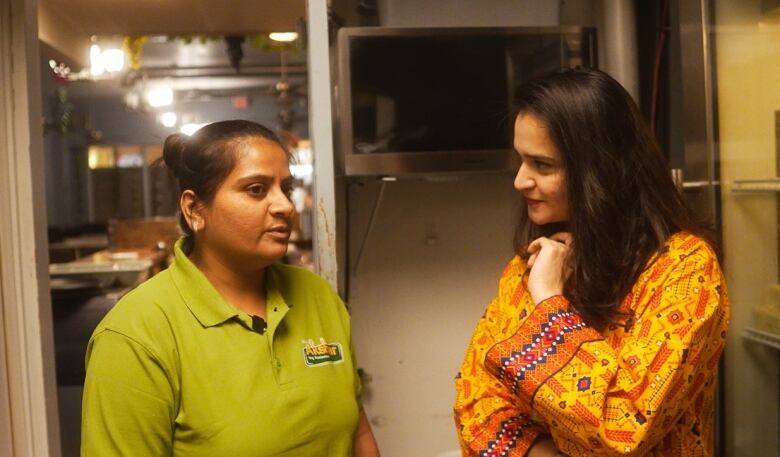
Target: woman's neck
pixel 244 288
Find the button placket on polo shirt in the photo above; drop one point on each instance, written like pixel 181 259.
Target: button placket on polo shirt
pixel 276 312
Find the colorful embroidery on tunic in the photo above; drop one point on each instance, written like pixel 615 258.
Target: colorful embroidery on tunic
pixel 646 387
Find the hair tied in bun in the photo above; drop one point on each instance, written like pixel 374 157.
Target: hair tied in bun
pixel 173 152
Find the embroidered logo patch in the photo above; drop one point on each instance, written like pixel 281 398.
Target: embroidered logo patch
pixel 321 353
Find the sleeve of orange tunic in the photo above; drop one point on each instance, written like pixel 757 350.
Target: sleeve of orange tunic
pixel 487 416
pixel 625 399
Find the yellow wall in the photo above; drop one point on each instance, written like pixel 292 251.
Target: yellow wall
pixel 747 59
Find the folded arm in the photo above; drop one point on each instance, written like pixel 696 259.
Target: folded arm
pixel 620 400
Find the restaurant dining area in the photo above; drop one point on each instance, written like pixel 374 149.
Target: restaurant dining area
pixel 399 123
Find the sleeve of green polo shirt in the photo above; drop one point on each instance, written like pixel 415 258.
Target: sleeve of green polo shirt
pixel 128 400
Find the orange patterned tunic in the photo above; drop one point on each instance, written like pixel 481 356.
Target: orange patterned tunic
pixel 645 387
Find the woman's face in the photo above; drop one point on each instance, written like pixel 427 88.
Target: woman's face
pixel 250 218
pixel 541 177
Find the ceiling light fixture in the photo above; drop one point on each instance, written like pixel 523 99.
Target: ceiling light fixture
pixel 284 37
pixel 168 119
pixel 103 61
pixel 159 97
pixel 96 67
pixel 113 59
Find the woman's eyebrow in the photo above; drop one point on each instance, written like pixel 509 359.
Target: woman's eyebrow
pixel 254 177
pixel 527 155
pixel 262 177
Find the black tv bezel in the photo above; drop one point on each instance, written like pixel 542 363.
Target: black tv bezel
pixel 399 163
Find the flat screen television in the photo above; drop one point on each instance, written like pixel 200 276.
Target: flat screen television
pixel 438 100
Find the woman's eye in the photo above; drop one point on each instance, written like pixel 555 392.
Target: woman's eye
pixel 256 189
pixel 542 166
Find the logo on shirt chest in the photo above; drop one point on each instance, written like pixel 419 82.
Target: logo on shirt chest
pixel 321 353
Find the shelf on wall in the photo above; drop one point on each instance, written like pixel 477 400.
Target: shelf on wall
pixel 756 185
pixel 760 336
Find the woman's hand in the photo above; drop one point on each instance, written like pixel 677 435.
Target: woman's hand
pixel 544 447
pixel 549 265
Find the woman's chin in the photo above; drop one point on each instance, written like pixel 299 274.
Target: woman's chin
pixel 276 255
pixel 270 253
pixel 540 219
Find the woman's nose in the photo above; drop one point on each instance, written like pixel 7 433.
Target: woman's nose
pixel 281 204
pixel 523 180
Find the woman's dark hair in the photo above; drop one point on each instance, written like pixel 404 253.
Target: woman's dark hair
pixel 623 203
pixel 202 161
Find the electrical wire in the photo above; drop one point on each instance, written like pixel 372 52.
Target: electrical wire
pixel 659 52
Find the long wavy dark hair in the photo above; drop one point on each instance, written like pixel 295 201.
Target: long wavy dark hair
pixel 623 204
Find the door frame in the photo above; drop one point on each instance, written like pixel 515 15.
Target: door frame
pixel 29 423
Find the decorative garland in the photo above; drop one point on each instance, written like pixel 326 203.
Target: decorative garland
pixel 133 45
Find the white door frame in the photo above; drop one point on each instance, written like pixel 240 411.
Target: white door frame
pixel 321 133
pixel 29 424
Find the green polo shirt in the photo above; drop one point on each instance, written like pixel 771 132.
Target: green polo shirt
pixel 174 370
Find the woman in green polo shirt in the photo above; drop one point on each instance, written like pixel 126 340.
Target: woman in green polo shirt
pixel 227 352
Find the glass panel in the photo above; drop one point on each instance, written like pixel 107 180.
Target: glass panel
pixel 747 65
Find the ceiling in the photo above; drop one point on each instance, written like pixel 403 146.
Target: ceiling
pixel 205 67
pixel 67 25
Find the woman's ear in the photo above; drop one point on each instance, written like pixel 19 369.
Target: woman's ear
pixel 189 208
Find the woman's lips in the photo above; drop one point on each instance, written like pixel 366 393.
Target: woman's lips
pixel 279 234
pixel 531 202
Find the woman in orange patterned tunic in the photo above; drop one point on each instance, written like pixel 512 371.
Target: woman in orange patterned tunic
pixel 605 335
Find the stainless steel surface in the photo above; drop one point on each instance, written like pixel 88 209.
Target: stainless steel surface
pixel 399 162
pixel 756 185
pixel 688 185
pixel 677 177
pixel 701 155
pixel 250 75
pixel 463 31
pixel 123 272
pixel 620 49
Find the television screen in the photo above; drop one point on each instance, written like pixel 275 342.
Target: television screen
pixel 434 93
pixel 440 99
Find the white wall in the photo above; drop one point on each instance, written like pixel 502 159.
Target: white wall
pixel 429 268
